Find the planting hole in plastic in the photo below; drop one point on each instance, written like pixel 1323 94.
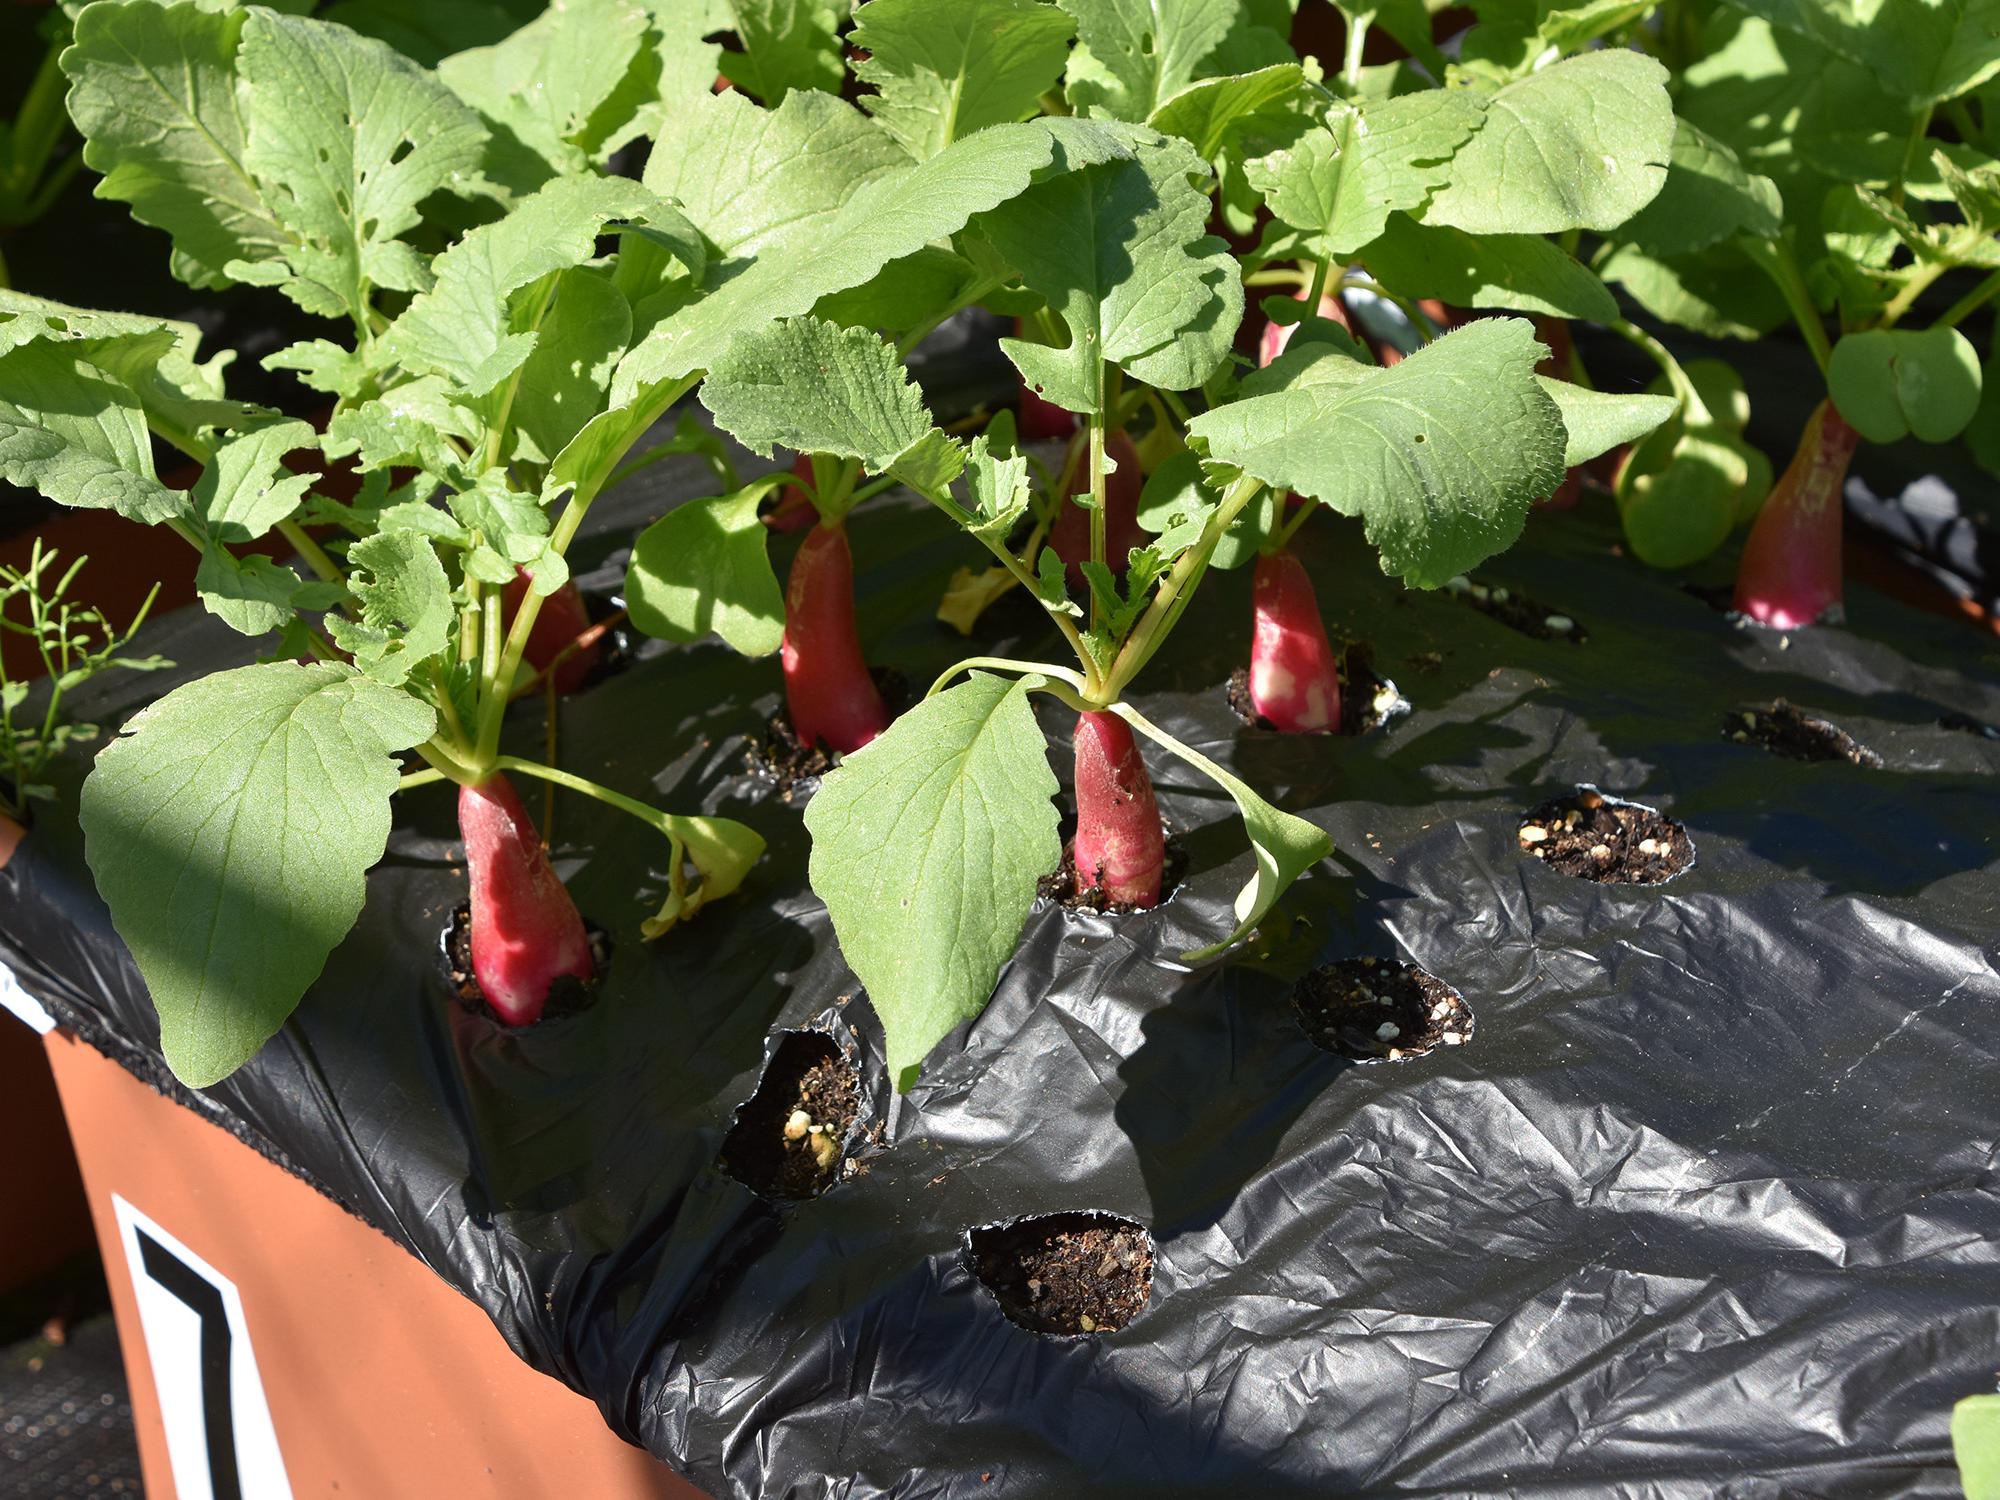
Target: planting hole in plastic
pixel 1059 885
pixel 1368 700
pixel 1518 612
pixel 1066 1273
pixel 1380 1010
pixel 567 996
pixel 1787 732
pixel 793 767
pixel 1597 837
pixel 790 1138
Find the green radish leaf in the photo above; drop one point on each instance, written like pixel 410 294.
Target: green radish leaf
pixel 1215 113
pixel 927 845
pixel 997 480
pixel 1581 144
pixel 884 220
pixel 346 138
pixel 1341 181
pixel 461 328
pixel 406 606
pixel 942 71
pixel 1709 197
pixel 1120 250
pixel 406 425
pixel 807 157
pixel 785 45
pixel 914 292
pixel 1134 55
pixel 230 828
pixel 1681 492
pixel 1598 421
pixel 1514 272
pixel 1441 455
pixel 1286 846
pixel 253 595
pixel 1925 52
pixel 546 84
pixel 810 386
pixel 1889 383
pixel 153 90
pixel 704 567
pixel 246 489
pixel 1975 1443
pixel 1714 292
pixel 439 29
pixel 78 435
pixel 566 375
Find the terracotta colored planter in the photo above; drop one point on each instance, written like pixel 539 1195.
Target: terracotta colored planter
pixel 379 1380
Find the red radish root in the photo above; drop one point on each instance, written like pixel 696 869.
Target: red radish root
pixel 560 621
pixel 1119 847
pixel 828 690
pixel 1042 421
pixel 1789 575
pixel 1070 536
pixel 526 933
pixel 1294 675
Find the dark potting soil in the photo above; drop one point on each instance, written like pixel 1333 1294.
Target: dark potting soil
pixel 1784 730
pixel 1368 700
pixel 1066 1273
pixel 1380 1009
pixel 1518 612
pixel 1595 837
pixel 790 1138
pixel 567 996
pixel 1059 885
pixel 793 766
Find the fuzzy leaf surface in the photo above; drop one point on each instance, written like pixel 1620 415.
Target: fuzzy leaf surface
pixel 942 71
pixel 808 385
pixel 1517 272
pixel 1581 144
pixel 926 848
pixel 230 829
pixel 705 566
pixel 1441 455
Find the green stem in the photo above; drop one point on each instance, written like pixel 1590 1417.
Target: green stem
pixel 1316 288
pixel 652 817
pixel 1096 507
pixel 1009 664
pixel 1172 595
pixel 1357 39
pixel 1282 537
pixel 413 779
pixel 1921 281
pixel 1970 302
pixel 587 487
pixel 1775 260
pixel 315 557
pixel 1684 391
pixel 1919 128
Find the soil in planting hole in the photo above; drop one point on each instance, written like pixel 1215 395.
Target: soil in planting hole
pixel 1786 731
pixel 1518 612
pixel 567 996
pixel 1368 700
pixel 1380 1010
pixel 793 766
pixel 790 1139
pixel 1059 885
pixel 1066 1273
pixel 1595 837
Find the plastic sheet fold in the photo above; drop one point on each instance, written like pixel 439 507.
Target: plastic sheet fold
pixel 1708 1206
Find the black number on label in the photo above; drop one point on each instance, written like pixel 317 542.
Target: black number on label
pixel 218 1415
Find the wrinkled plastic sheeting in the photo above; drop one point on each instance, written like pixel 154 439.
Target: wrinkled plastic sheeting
pixel 1707 1206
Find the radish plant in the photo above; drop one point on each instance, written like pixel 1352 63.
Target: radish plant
pixel 929 841
pixel 477 392
pixel 1821 164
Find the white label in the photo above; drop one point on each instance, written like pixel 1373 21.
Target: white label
pixel 23 1004
pixel 219 1434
